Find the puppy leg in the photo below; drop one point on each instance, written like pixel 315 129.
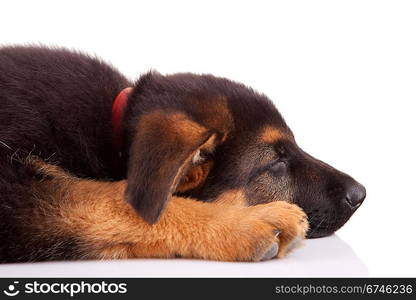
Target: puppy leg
pixel 106 226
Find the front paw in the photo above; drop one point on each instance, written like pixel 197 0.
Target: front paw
pixel 290 223
pixel 293 224
pixel 256 233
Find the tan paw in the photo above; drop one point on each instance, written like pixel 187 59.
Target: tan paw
pixel 294 226
pixel 290 222
pixel 256 233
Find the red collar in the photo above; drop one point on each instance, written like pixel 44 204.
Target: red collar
pixel 119 105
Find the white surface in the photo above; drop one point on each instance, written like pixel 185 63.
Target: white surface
pixel 316 258
pixel 343 73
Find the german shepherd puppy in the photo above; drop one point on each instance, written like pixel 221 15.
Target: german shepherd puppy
pixel 94 166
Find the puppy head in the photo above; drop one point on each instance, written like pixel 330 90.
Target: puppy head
pixel 202 136
pixel 268 165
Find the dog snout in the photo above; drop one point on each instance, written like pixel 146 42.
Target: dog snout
pixel 354 195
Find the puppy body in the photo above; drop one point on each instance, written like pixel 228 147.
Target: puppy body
pixel 211 166
pixel 57 104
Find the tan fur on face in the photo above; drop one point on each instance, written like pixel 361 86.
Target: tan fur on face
pixel 271 135
pixel 107 227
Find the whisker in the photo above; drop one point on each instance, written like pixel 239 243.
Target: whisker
pixel 319 224
pixel 5 145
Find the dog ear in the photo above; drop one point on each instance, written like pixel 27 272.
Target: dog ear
pixel 163 147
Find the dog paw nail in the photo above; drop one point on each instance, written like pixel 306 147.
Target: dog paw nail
pixel 272 252
pixel 276 233
pixel 294 243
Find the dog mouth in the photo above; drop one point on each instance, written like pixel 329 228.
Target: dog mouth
pixel 325 223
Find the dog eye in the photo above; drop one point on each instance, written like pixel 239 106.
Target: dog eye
pixel 278 167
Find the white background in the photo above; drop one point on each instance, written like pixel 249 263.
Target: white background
pixel 343 73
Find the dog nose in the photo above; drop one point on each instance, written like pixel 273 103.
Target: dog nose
pixel 355 195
